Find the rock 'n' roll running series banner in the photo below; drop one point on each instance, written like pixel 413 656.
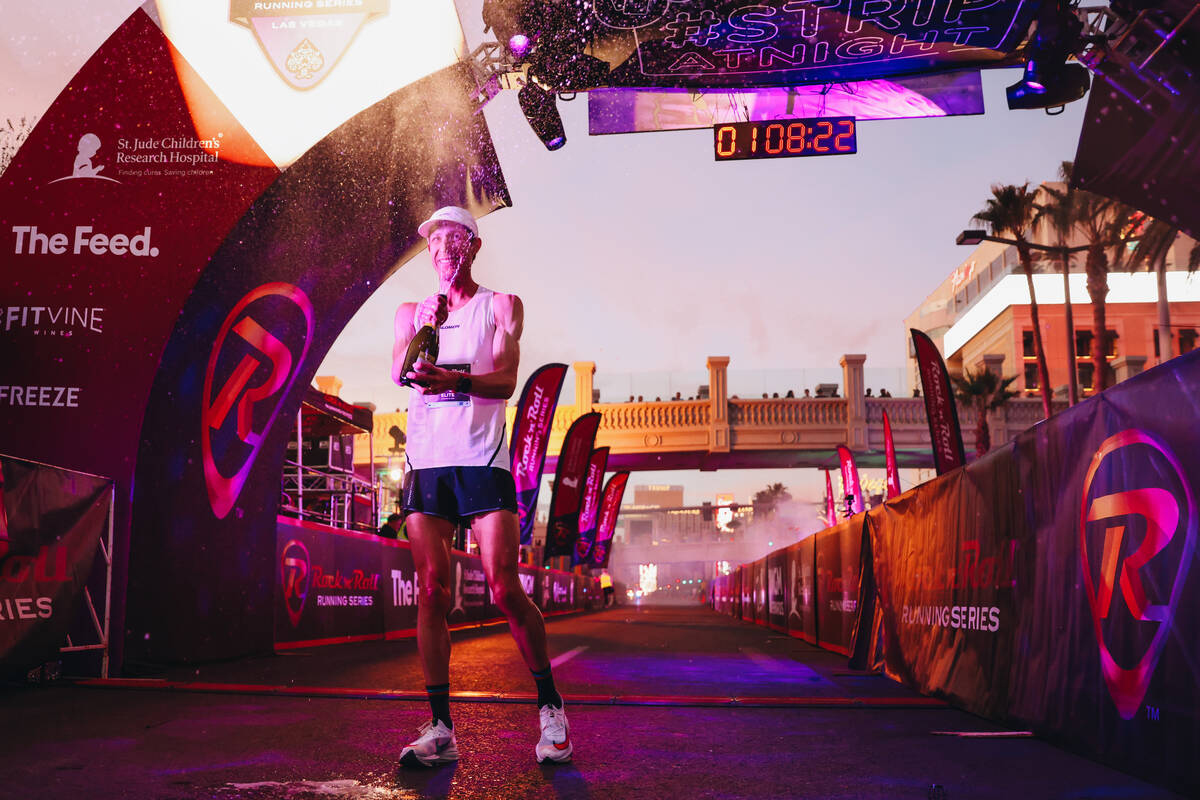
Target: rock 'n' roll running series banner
pixel 52 522
pixel 335 586
pixel 173 292
pixel 1051 584
pixel 889 455
pixel 531 433
pixel 610 509
pixel 851 485
pixel 589 506
pixel 830 503
pixel 569 478
pixel 940 408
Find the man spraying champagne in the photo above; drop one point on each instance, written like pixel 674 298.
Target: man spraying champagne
pixel 458 474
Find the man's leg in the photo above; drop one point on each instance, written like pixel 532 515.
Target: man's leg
pixel 499 545
pixel 430 539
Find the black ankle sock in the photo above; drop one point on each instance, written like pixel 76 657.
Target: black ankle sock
pixel 547 694
pixel 439 701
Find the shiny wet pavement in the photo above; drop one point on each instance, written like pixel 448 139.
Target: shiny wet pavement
pixel 663 703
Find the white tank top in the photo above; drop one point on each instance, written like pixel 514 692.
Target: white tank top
pixel 452 429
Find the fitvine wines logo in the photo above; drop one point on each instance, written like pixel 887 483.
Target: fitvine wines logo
pixel 273 329
pixel 1148 579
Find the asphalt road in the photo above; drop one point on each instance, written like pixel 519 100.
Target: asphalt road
pixel 663 703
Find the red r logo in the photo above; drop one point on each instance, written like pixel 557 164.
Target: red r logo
pixel 293 569
pixel 239 390
pixel 1160 510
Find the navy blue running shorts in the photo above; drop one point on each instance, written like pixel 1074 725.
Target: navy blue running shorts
pixel 459 493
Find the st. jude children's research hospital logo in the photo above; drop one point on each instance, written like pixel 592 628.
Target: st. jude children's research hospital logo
pixel 1147 581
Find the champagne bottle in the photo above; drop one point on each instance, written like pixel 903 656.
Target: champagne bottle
pixel 423 346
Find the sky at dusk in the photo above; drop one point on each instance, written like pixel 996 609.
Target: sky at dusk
pixel 639 253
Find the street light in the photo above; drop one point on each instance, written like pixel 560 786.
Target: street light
pixel 971 237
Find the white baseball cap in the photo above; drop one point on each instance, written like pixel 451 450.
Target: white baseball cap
pixel 449 214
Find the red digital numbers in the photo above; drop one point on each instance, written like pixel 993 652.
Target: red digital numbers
pixel 782 138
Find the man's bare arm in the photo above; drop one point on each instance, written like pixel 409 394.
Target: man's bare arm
pixel 403 334
pixel 501 382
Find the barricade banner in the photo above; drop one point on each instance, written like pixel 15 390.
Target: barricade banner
pixel 759 576
pixel 567 492
pixel 55 519
pixel 778 590
pixel 328 585
pixel 947 561
pixel 837 564
pixel 802 611
pixel 589 508
pixel 610 509
pixel 402 586
pixel 531 432
pixel 746 575
pixel 470 595
pixel 1109 656
pixel 940 408
pixel 556 591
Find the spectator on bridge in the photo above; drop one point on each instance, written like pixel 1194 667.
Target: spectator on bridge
pixel 884 393
pixel 393 528
pixel 807 393
pixel 790 395
pixel 916 392
pixel 677 397
pixel 459 476
pixel 640 400
pixel 868 391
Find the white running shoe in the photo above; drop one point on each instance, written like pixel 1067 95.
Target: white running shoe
pixel 555 743
pixel 435 745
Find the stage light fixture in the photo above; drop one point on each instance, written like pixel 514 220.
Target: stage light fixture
pixel 541 111
pixel 1040 88
pixel 518 45
pixel 1048 79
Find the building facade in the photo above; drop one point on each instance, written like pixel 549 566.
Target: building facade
pixel 981 314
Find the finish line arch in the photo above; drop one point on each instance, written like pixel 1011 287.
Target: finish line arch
pixel 183 302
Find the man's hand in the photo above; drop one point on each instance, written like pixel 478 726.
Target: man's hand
pixel 433 310
pixel 431 379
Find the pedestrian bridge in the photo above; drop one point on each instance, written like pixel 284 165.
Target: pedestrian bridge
pixel 723 432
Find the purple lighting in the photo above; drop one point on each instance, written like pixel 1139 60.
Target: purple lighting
pixel 518 45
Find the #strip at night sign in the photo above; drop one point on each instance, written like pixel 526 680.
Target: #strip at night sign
pixel 789 42
pixel 783 138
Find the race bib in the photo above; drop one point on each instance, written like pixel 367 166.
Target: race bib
pixel 450 398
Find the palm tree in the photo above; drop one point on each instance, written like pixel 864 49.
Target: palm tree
pixel 1011 210
pixel 767 500
pixel 1152 250
pixel 1061 214
pixel 985 391
pixel 1104 223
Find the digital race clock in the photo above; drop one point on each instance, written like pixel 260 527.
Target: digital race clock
pixel 783 138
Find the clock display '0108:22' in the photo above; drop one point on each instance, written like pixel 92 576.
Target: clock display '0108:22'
pixel 784 138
